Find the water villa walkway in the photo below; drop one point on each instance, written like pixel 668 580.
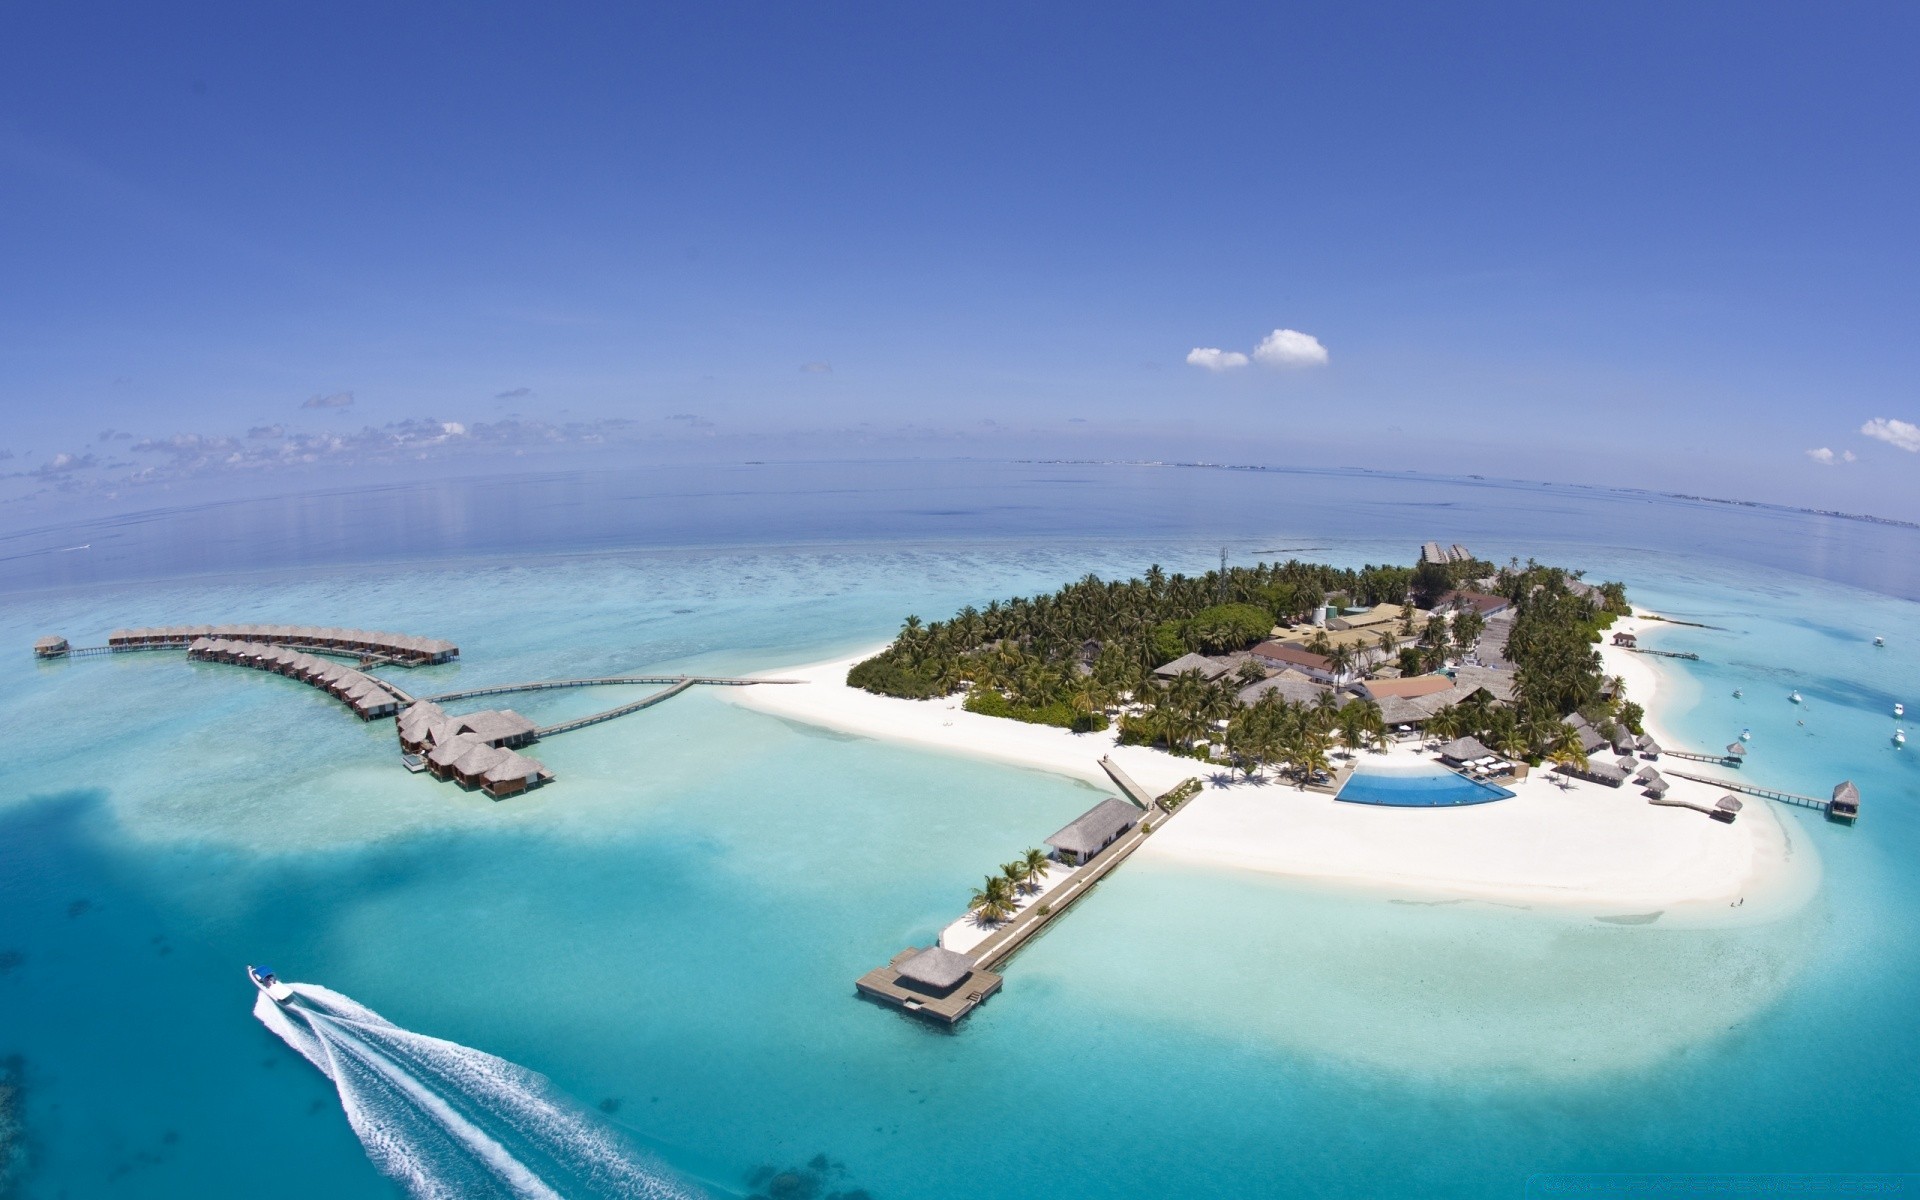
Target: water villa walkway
pixel 946 985
pixel 477 750
pixel 1843 806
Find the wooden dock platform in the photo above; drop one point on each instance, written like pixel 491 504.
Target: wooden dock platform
pixel 883 984
pixel 1755 790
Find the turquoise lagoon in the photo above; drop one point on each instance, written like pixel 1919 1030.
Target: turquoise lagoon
pixel 670 933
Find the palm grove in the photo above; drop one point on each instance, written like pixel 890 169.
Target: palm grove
pixel 1087 652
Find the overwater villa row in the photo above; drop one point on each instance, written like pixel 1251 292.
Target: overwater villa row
pixel 475 750
pixel 370 698
pixel 401 648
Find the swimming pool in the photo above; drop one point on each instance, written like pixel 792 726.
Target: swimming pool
pixel 1425 786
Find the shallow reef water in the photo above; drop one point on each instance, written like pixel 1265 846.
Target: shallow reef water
pixel 669 933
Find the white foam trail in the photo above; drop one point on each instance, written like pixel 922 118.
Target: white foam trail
pixel 450 1121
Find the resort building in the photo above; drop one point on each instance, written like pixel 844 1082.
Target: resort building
pixel 396 647
pixel 1591 740
pixel 1209 668
pixel 50 647
pixel 1282 655
pixel 1412 687
pixel 1380 616
pixel 1292 686
pixel 1463 750
pixel 1845 805
pixel 1481 602
pixel 1434 552
pixel 1094 830
pixel 1498 685
pixel 1626 639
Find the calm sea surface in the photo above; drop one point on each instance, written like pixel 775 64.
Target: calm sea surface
pixel 670 933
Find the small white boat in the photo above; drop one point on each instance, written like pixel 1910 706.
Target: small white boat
pixel 1899 710
pixel 1737 693
pixel 1899 737
pixel 1746 735
pixel 1794 699
pixel 1879 641
pixel 264 979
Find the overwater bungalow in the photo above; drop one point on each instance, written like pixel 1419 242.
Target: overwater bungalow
pixel 514 774
pixel 1845 805
pixel 1094 830
pixel 937 983
pixel 50 647
pixel 1726 808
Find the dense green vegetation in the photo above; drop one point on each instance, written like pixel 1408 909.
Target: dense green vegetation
pixel 1074 657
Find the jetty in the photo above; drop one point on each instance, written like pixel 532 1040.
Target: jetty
pixel 1843 806
pixel 946 985
pixel 476 751
pixel 1686 654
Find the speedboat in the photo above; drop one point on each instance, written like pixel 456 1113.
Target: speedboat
pixel 1879 641
pixel 1794 699
pixel 264 979
pixel 1899 737
pixel 1899 710
pixel 1737 693
pixel 1746 735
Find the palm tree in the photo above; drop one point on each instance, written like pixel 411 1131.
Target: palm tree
pixel 1037 863
pixel 993 901
pixel 1340 660
pixel 1015 873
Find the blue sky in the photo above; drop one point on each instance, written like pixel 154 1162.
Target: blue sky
pixel 1650 245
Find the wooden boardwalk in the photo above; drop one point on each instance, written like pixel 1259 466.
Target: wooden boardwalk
pixel 1724 760
pixel 1003 943
pixel 548 731
pixel 1755 790
pixel 542 685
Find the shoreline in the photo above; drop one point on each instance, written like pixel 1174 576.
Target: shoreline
pixel 1588 850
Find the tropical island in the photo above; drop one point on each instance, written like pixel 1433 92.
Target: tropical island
pixel 1338 725
pixel 1272 666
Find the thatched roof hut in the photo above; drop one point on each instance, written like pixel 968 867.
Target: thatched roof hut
pixel 935 969
pixel 1464 749
pixel 1094 830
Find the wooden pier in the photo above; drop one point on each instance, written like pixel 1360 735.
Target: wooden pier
pixel 548 731
pixel 542 685
pixel 987 958
pixel 1686 654
pixel 1834 812
pixel 1723 760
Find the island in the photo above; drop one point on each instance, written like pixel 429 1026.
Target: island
pixel 1455 728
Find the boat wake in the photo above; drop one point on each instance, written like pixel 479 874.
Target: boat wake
pixel 448 1121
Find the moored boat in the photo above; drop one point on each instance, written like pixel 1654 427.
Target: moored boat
pixel 264 979
pixel 1794 699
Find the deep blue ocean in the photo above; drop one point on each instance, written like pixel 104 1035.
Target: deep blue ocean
pixel 669 934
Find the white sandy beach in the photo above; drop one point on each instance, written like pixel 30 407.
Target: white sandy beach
pixel 1586 846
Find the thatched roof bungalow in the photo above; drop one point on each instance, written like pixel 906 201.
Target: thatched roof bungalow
pixel 1094 830
pixel 936 971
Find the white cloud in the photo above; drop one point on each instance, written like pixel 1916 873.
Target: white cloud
pixel 1290 348
pixel 1824 456
pixel 1215 359
pixel 1893 432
